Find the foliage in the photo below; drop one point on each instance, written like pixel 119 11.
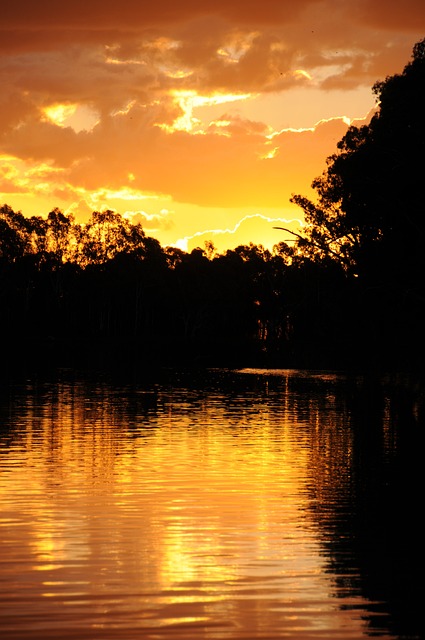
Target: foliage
pixel 106 289
pixel 348 293
pixel 368 218
pixel 104 293
pixel 369 209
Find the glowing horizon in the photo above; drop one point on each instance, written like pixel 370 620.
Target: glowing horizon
pixel 199 122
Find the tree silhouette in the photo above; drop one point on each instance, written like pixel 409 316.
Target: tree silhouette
pixel 369 209
pixel 348 292
pixel 369 214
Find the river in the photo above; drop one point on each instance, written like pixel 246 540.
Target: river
pixel 213 505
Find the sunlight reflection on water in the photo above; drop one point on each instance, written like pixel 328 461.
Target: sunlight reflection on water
pixel 179 510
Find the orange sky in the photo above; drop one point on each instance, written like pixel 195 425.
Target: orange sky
pixel 199 119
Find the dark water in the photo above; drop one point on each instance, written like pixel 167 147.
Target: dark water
pixel 226 505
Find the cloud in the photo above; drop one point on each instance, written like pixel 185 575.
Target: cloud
pixel 130 14
pixel 161 99
pixel 151 222
pixel 104 53
pixel 381 14
pixel 256 228
pixel 237 164
pixel 80 210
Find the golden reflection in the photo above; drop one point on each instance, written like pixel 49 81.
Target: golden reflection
pixel 186 514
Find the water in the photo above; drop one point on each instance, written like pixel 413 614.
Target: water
pixel 221 506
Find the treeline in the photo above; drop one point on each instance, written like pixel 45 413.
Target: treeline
pixel 105 292
pixel 347 292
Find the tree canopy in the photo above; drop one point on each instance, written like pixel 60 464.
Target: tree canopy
pixel 370 213
pixel 348 293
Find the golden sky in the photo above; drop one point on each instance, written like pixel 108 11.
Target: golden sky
pixel 198 119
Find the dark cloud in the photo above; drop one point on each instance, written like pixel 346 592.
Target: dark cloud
pixel 405 16
pixel 107 14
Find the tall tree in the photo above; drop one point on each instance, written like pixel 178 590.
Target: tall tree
pixel 369 214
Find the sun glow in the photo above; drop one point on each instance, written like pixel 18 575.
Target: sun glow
pixel 302 74
pixel 225 236
pixel 232 52
pixel 79 117
pixel 125 193
pixel 345 119
pixel 59 113
pixel 190 100
pixel 270 154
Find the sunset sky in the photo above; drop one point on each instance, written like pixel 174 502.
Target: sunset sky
pixel 198 119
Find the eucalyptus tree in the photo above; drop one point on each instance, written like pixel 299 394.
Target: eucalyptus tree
pixel 369 213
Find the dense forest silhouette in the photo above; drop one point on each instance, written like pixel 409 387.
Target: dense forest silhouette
pixel 347 293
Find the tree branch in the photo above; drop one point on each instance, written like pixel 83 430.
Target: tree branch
pixel 315 244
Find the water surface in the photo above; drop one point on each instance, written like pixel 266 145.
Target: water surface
pixel 225 505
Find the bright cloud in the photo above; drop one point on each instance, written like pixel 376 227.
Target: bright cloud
pixel 210 110
pixel 242 233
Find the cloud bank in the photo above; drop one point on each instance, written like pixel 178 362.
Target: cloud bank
pixel 168 106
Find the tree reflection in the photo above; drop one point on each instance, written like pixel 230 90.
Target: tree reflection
pixel 264 497
pixel 365 501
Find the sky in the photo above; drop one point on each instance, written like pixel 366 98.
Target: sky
pixel 197 119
